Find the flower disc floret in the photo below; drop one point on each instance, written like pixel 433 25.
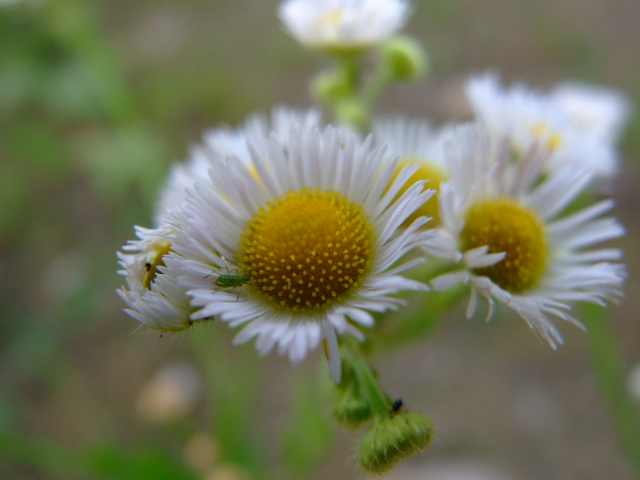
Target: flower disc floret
pixel 506 226
pixel 307 249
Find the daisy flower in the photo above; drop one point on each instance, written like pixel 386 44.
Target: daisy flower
pixel 226 141
pixel 152 292
pixel 343 25
pixel 416 142
pixel 511 244
pixel 532 120
pixel 601 111
pixel 305 249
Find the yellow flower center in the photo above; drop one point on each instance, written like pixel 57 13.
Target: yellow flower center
pixel 332 18
pixel 307 249
pixel 153 260
pixel 542 130
pixel 507 226
pixel 435 176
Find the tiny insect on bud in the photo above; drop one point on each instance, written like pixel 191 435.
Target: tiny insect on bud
pixel 396 407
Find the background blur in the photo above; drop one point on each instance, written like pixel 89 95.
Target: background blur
pixel 98 97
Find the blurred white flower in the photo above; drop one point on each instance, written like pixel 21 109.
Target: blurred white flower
pixel 535 121
pixel 601 111
pixel 339 25
pixel 416 142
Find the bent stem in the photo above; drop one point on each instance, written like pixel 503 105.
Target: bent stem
pixel 378 399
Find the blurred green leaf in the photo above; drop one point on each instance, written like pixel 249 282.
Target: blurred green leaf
pixel 37 150
pixel 122 161
pixel 108 462
pixel 232 375
pixel 609 373
pixel 148 463
pixel 13 199
pixel 308 436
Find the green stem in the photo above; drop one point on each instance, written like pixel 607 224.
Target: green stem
pixel 351 70
pixel 609 374
pixel 382 79
pixel 377 398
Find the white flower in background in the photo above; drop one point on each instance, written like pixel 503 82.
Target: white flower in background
pixel 505 232
pixel 305 248
pixel 601 111
pixel 225 141
pixel 339 25
pixel 533 121
pixel 416 142
pixel 152 292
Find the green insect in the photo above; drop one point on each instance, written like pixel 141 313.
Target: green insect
pixel 231 281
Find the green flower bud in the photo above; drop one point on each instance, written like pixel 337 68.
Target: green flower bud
pixel 405 58
pixel 352 113
pixel 350 408
pixel 330 86
pixel 393 438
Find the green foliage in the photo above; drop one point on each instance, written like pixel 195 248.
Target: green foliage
pixel 104 462
pixel 308 436
pixel 148 463
pixel 609 373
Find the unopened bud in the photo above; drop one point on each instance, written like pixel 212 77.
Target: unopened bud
pixel 393 438
pixel 330 86
pixel 350 408
pixel 405 58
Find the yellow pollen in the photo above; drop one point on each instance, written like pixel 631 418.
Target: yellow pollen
pixel 294 233
pixel 542 130
pixel 332 18
pixel 254 173
pixel 153 260
pixel 507 226
pixel 427 171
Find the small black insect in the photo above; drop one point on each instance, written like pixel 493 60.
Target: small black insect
pixel 396 407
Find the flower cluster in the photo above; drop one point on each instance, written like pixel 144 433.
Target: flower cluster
pixel 299 232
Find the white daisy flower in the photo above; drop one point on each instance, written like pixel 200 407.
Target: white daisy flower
pixel 510 242
pixel 305 249
pixel 416 142
pixel 343 25
pixel 601 111
pixel 226 141
pixel 152 292
pixel 534 121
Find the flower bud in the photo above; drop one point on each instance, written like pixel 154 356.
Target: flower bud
pixel 405 58
pixel 330 86
pixel 350 408
pixel 392 439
